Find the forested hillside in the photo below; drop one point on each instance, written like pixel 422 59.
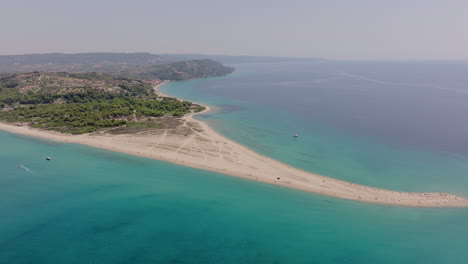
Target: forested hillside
pixel 183 70
pixel 83 102
pixel 136 65
pixel 80 62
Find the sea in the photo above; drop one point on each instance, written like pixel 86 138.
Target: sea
pixel 399 125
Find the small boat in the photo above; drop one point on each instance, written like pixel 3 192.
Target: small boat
pixel 48 158
pixel 296 135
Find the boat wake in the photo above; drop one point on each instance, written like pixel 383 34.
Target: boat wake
pixel 25 168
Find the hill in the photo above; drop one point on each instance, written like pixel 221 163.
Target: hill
pixel 83 102
pixel 80 62
pixel 136 65
pixel 229 59
pixel 182 70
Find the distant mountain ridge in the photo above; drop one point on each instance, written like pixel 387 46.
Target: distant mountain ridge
pixel 101 61
pixel 233 59
pixel 114 63
pixel 95 57
pixel 136 65
pixel 181 70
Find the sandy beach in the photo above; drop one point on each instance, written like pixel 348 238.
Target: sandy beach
pixel 157 89
pixel 190 142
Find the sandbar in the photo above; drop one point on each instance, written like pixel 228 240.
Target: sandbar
pixel 193 143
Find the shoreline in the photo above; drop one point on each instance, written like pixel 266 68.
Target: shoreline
pixel 195 144
pixel 157 89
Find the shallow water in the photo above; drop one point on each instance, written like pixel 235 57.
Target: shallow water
pixel 94 206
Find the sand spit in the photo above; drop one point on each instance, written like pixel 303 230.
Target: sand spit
pixel 190 142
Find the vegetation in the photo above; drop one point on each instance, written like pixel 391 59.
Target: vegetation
pixel 135 65
pixel 105 89
pixel 83 102
pixel 199 109
pixel 81 62
pixel 182 70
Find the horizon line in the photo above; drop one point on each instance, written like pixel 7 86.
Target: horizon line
pixel 251 56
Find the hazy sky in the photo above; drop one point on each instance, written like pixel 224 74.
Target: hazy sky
pixel 336 29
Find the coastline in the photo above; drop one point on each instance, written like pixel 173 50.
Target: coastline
pixel 195 144
pixel 157 89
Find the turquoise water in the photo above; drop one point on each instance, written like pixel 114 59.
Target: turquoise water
pixel 94 206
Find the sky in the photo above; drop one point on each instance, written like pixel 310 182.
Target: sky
pixel 333 29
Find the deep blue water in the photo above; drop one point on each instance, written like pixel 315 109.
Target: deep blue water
pixel 382 124
pixel 419 104
pixel 95 206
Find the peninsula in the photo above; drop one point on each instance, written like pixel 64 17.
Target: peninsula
pixel 128 115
